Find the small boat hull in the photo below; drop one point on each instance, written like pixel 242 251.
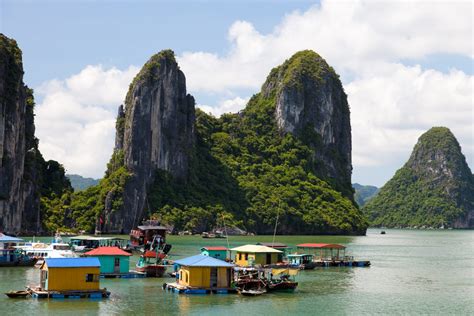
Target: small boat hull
pixel 153 271
pixel 285 286
pixel 18 294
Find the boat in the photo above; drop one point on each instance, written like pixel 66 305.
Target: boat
pixel 382 232
pixel 10 256
pixel 282 286
pixel 216 234
pixel 85 243
pixel 142 238
pixel 41 250
pixel 150 264
pixel 18 294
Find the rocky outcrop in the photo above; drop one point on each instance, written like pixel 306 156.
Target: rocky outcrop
pixel 311 103
pixel 435 188
pixel 19 199
pixel 156 132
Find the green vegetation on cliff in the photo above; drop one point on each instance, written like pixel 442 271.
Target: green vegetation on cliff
pixel 434 188
pixel 363 193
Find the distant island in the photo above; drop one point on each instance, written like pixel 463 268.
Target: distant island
pixel 364 193
pixel 434 189
pixel 80 183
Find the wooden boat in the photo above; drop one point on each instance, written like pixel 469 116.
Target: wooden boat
pixel 382 232
pixel 18 294
pixel 150 263
pixel 282 286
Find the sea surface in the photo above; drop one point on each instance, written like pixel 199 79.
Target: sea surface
pixel 413 272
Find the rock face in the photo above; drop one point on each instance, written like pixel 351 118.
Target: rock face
pixel 311 103
pixel 19 199
pixel 155 132
pixel 435 188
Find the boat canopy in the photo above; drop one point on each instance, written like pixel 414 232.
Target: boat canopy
pixel 85 237
pixel 321 246
pixel 285 271
pixel 7 239
pixel 203 261
pixel 256 249
pixel 276 245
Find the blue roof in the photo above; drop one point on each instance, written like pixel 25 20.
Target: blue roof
pixel 5 238
pixel 202 261
pixel 72 262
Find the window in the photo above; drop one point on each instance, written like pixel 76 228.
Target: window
pixel 246 256
pixel 117 262
pixel 186 278
pixel 92 277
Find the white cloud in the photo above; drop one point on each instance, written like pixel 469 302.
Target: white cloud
pixel 365 41
pixel 76 118
pixel 227 106
pixel 390 111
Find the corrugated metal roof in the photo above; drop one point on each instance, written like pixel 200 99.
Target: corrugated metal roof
pixel 202 261
pixel 273 245
pixel 107 251
pixel 327 246
pixel 255 249
pixel 214 248
pixel 72 262
pixel 5 238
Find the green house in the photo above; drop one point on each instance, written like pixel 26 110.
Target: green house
pixel 113 260
pixel 217 252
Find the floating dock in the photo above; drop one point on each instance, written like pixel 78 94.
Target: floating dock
pixel 70 294
pixel 181 289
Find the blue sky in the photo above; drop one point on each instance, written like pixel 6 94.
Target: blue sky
pixel 405 67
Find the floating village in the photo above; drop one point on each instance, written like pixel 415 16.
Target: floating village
pixel 74 269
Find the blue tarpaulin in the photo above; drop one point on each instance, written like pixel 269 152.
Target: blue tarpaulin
pixel 72 262
pixel 5 238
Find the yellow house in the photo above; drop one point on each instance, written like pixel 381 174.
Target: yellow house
pixel 250 255
pixel 204 272
pixel 70 274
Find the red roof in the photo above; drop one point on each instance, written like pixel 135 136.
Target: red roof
pixel 152 254
pixel 215 248
pixel 107 251
pixel 330 246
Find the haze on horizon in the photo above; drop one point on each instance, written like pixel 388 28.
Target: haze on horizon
pixel 405 66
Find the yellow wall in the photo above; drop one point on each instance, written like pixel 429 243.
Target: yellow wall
pixel 201 277
pixel 257 258
pixel 65 279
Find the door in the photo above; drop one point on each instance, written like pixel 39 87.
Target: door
pixel 269 258
pixel 213 277
pixel 117 265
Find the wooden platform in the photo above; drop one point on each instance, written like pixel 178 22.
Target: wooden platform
pixel 130 275
pixel 177 288
pixel 70 294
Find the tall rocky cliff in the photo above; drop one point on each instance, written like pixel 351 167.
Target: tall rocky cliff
pixel 287 155
pixel 24 175
pixel 311 103
pixel 156 131
pixel 435 187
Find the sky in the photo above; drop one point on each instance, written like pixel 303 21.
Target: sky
pixel 406 66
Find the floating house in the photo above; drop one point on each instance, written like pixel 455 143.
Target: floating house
pixel 218 252
pixel 113 260
pixel 9 256
pixel 303 261
pixel 202 274
pixel 250 255
pixel 327 255
pixel 324 251
pixel 70 278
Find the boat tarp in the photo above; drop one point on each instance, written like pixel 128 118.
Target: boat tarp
pixel 285 271
pixel 5 239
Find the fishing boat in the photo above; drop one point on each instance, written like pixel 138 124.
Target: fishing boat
pixel 151 264
pixel 143 236
pixel 10 256
pixel 18 294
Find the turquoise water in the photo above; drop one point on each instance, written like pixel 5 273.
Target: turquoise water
pixel 412 272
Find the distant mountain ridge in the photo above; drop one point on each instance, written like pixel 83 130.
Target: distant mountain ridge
pixel 80 183
pixel 363 193
pixel 435 187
